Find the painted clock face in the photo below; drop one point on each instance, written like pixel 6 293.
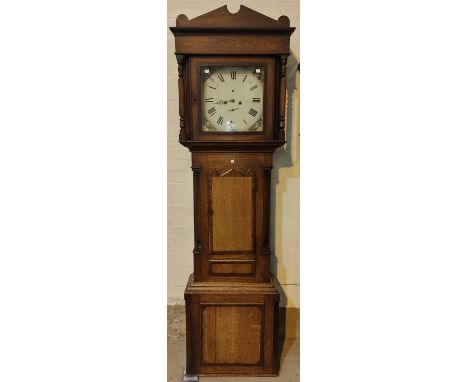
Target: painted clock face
pixel 232 99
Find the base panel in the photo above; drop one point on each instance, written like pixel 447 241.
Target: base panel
pixel 232 329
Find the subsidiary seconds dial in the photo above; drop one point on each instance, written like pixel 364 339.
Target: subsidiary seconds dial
pixel 232 98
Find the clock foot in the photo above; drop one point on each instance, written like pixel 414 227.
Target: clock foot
pixel 188 378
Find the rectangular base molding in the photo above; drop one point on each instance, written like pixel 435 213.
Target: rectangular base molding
pixel 232 328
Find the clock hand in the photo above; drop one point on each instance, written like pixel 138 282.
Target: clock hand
pixel 221 102
pixel 233 109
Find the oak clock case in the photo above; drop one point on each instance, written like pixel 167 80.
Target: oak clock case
pixel 232 71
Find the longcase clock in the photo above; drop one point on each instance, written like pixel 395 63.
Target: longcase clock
pixel 232 86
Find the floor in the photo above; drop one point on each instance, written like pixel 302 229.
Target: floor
pixel 289 371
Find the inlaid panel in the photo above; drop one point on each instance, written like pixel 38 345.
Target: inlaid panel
pixel 232 334
pixel 232 210
pixel 232 267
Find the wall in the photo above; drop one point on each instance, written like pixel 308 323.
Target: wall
pixel 285 176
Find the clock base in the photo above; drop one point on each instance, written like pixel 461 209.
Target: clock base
pixel 232 328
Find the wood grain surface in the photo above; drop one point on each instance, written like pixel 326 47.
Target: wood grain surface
pixel 232 213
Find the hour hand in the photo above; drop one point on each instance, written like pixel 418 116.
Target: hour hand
pixel 222 102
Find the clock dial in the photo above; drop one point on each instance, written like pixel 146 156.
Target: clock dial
pixel 232 98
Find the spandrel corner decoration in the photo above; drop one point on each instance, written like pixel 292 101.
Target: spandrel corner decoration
pixel 232 89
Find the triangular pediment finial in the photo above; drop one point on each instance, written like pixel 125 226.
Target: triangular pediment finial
pixel 223 18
